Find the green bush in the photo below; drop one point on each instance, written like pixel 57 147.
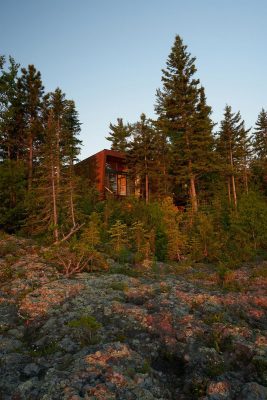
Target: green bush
pixel 8 247
pixel 86 328
pixel 121 286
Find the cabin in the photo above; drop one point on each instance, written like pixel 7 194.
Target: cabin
pixel 107 171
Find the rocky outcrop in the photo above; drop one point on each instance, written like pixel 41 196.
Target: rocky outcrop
pixel 171 334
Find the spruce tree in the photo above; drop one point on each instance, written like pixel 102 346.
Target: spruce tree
pixel 182 110
pixel 55 198
pixel 176 238
pixel 69 153
pixel 118 135
pixel 12 149
pixel 233 150
pixel 259 164
pixel 118 236
pixel 142 155
pixel 11 113
pixel 161 183
pixel 31 91
pixel 260 136
pixel 243 156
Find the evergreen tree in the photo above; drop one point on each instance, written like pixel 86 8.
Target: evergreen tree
pixel 243 156
pixel 118 235
pixel 177 240
pixel 12 171
pixel 91 233
pixel 161 183
pixel 118 135
pixel 260 136
pixel 55 197
pixel 11 113
pixel 233 150
pixel 182 110
pixel 259 164
pixel 30 91
pixel 12 195
pixel 44 199
pixel 70 152
pixel 142 155
pixel 57 105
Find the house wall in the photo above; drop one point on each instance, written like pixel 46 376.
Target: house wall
pixel 93 169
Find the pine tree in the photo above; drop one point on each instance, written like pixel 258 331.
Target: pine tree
pixel 182 110
pixel 118 235
pixel 233 150
pixel 12 171
pixel 260 150
pixel 70 149
pixel 57 104
pixel 243 155
pixel 176 239
pixel 161 182
pixel 44 197
pixel 11 113
pixel 142 154
pixel 138 232
pixel 12 195
pixel 260 136
pixel 30 90
pixel 118 135
pixel 91 233
pixel 54 188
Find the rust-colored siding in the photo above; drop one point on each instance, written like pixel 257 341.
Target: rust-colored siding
pixel 94 168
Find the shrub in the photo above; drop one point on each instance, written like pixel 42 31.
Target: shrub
pixel 72 260
pixel 46 350
pixel 118 237
pixel 121 286
pixel 86 327
pixel 8 247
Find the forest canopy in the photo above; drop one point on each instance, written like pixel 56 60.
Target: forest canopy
pixel 203 186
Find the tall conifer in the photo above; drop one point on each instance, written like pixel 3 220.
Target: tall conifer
pixel 260 136
pixel 118 135
pixel 31 91
pixel 259 143
pixel 11 113
pixel 142 154
pixel 182 110
pixel 233 150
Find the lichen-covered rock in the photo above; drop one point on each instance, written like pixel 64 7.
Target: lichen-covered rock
pixel 110 336
pixel 253 391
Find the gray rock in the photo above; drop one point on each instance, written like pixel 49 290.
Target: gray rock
pixel 29 388
pixel 17 333
pixel 8 345
pixel 31 370
pixel 68 345
pixel 253 391
pixel 154 343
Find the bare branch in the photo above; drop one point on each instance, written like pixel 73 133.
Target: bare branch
pixel 72 231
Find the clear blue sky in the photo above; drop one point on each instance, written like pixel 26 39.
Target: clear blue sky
pixel 107 55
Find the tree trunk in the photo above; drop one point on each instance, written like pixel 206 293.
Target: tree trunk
pixel 71 197
pixel 234 190
pixel 30 161
pixel 232 176
pixel 193 194
pixel 55 216
pixel 229 191
pixel 147 181
pixel 147 188
pixel 246 179
pixel 58 153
